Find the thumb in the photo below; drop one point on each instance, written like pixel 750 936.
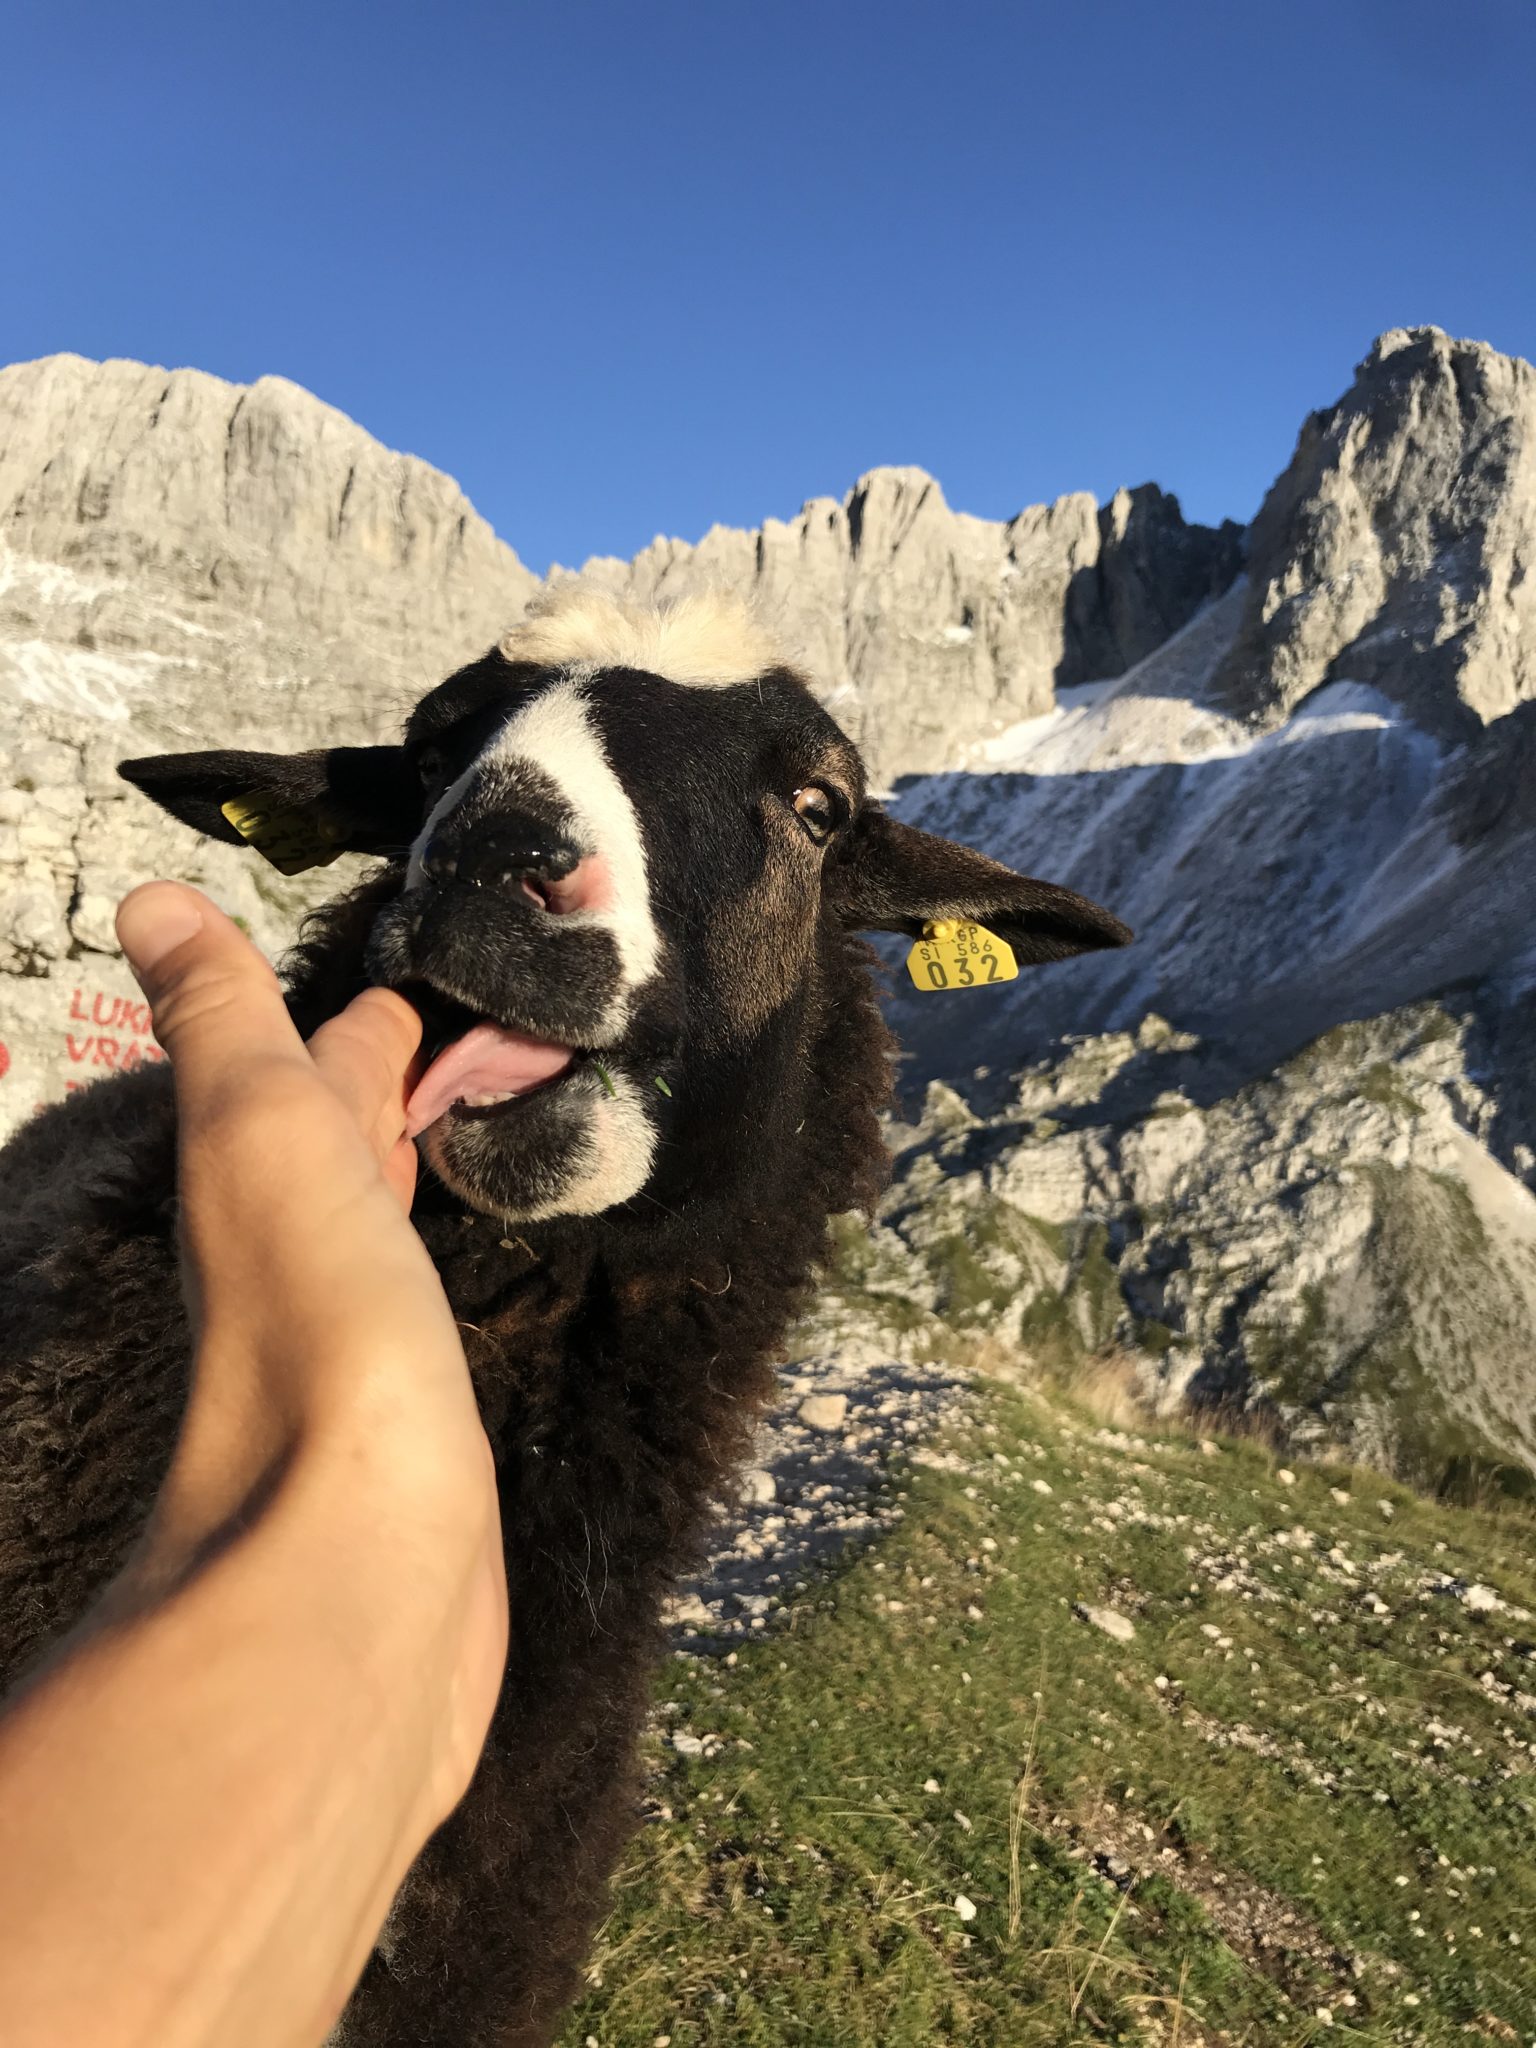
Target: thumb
pixel 215 1001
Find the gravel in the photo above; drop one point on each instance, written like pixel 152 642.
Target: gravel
pixel 818 1482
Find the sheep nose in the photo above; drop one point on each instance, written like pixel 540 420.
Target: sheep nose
pixel 500 853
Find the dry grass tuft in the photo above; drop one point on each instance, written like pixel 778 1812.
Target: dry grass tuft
pixel 1108 1389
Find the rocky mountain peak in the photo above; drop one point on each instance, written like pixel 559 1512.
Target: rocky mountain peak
pixel 885 504
pixel 930 629
pixel 1395 548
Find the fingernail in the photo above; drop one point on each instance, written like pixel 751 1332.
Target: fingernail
pixel 154 920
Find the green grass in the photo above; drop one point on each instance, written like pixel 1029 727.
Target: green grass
pixel 1320 1804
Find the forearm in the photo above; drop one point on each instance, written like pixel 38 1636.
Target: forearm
pixel 211 1799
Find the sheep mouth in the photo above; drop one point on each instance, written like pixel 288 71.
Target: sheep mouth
pixel 476 1067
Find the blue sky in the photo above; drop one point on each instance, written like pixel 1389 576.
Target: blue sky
pixel 634 268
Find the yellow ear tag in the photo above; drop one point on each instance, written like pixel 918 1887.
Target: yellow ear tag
pixel 951 955
pixel 292 840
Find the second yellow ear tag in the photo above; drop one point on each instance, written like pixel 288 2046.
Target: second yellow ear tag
pixel 953 955
pixel 292 839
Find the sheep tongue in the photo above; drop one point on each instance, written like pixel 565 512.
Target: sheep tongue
pixel 486 1061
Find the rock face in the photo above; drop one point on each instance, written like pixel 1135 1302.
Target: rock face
pixel 1397 548
pixel 930 628
pixel 206 559
pixel 1333 1241
pixel 1279 1151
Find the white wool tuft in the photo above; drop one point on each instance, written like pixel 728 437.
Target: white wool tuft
pixel 709 639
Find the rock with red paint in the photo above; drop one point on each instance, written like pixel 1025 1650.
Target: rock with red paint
pixel 191 563
pixel 73 839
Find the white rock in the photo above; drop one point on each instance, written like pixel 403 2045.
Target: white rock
pixel 825 1412
pixel 869 588
pixel 1398 474
pixel 690 1612
pixel 964 1907
pixel 758 1487
pixel 1119 1626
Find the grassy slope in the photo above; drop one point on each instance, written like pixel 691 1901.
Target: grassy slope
pixel 1325 1806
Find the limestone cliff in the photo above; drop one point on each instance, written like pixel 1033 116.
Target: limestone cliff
pixel 931 629
pixel 1396 548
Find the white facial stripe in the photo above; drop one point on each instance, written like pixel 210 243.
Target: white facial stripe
pixel 556 735
pixel 447 803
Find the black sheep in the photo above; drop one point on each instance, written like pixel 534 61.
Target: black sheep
pixel 627 859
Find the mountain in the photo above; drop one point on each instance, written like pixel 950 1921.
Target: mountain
pixel 1396 548
pixel 1280 1152
pixel 1300 1124
pixel 176 546
pixel 928 628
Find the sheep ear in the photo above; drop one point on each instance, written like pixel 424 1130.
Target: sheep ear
pixel 893 878
pixel 300 810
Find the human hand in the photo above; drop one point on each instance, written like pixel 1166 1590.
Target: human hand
pixel 322 1335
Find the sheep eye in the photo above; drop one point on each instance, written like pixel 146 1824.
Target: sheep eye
pixel 817 812
pixel 429 766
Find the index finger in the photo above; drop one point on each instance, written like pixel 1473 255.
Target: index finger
pixel 216 1003
pixel 364 1055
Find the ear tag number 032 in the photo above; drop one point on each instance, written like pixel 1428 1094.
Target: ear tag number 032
pixel 292 839
pixel 954 955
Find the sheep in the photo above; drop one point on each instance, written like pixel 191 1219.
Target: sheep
pixel 623 865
